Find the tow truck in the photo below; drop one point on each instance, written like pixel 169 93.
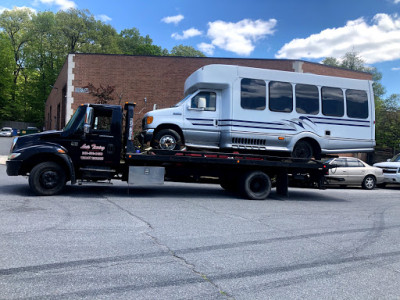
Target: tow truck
pixel 98 145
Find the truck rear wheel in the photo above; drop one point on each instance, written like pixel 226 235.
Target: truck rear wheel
pixel 255 185
pixel 47 178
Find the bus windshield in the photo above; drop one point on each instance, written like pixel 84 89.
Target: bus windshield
pixel 182 101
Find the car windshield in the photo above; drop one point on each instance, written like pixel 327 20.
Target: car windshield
pixel 183 100
pixel 6 129
pixel 396 158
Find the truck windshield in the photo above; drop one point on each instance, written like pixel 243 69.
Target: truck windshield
pixel 396 158
pixel 183 100
pixel 76 120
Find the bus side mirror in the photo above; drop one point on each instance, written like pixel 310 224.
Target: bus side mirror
pixel 88 120
pixel 202 103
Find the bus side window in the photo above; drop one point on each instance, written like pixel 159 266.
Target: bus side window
pixel 357 104
pixel 253 94
pixel 280 96
pixel 307 99
pixel 332 101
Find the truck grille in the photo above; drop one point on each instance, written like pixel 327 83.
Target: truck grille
pixel 246 141
pixel 389 171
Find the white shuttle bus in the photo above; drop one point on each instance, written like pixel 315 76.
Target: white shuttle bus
pixel 248 109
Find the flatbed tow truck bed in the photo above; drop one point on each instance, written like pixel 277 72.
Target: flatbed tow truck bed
pixel 248 174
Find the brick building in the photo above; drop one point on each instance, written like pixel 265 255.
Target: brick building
pixel 148 80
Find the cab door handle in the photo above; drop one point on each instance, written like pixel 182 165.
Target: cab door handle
pixel 110 148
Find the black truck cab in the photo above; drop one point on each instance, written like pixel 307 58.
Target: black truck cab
pixel 90 146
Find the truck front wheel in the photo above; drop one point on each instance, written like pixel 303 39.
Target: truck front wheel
pixel 47 178
pixel 255 185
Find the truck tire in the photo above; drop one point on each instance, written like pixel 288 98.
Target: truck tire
pixel 47 178
pixel 255 185
pixel 369 182
pixel 167 139
pixel 302 149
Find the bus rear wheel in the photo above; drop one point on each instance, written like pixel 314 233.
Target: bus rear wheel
pixel 303 150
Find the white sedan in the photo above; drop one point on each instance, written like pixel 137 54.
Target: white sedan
pixel 353 171
pixel 6 131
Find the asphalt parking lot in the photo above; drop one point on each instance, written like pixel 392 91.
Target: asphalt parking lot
pixel 195 241
pixel 188 241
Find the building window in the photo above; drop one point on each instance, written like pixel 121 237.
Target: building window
pixel 253 94
pixel 357 104
pixel 307 99
pixel 280 96
pixel 332 101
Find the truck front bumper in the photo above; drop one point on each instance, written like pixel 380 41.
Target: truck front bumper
pixel 146 136
pixel 392 178
pixel 13 167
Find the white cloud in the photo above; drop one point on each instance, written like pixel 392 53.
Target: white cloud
pixel 375 42
pixel 173 19
pixel 396 69
pixel 206 48
pixel 103 18
pixel 396 1
pixel 63 4
pixel 186 34
pixel 239 37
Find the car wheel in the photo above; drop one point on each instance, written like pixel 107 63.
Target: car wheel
pixel 167 139
pixel 369 182
pixel 47 178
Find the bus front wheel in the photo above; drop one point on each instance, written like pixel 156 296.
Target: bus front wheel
pixel 167 139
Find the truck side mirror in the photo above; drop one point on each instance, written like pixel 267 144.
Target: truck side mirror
pixel 86 128
pixel 88 120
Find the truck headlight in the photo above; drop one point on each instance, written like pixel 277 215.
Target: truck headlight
pixel 13 155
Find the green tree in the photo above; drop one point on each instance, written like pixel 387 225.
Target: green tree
pixel 388 121
pixel 76 28
pixel 132 43
pixel 16 24
pixel 182 50
pixel 6 78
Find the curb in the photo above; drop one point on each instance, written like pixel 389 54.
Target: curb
pixel 3 159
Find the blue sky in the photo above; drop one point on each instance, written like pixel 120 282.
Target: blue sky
pixel 288 29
